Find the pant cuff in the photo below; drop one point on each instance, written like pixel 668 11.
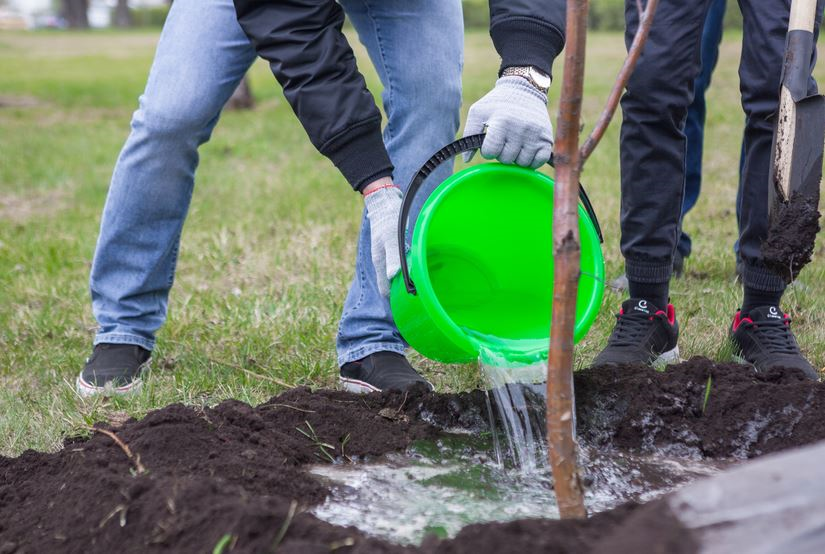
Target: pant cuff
pixel 121 338
pixel 648 272
pixel 762 278
pixel 366 350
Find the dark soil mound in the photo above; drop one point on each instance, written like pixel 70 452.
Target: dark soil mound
pixel 238 471
pixel 747 414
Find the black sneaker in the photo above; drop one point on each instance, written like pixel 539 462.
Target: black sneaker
pixel 113 369
pixel 380 371
pixel 764 339
pixel 643 334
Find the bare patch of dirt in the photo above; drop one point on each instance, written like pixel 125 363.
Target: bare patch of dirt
pixel 236 475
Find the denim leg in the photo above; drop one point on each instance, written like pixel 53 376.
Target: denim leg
pixel 763 46
pixel 695 123
pixel 417 49
pixel 201 56
pixel 652 147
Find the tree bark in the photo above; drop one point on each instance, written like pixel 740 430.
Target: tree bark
pixel 561 439
pixel 75 12
pixel 242 98
pixel 123 15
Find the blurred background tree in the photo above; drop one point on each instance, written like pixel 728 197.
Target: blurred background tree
pixel 76 13
pixel 123 15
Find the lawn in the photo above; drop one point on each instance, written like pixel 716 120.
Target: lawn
pixel 265 263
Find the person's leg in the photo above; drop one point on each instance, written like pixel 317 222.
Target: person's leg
pixel 652 153
pixel 422 98
pixel 763 47
pixel 201 56
pixel 695 123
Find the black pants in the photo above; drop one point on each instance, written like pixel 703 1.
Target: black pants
pixel 653 140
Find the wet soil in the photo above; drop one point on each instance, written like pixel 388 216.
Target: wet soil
pixel 746 414
pixel 790 242
pixel 240 472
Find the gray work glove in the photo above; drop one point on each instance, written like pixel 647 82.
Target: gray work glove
pixel 383 210
pixel 518 125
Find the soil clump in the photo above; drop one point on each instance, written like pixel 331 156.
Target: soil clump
pixel 790 242
pixel 240 472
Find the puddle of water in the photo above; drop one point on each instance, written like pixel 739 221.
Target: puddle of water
pixel 439 488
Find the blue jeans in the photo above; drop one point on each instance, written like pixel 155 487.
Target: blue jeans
pixel 695 123
pixel 201 57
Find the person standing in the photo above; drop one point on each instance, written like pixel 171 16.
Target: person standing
pixel 201 57
pixel 694 133
pixel 652 154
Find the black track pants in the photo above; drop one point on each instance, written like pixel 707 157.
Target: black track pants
pixel 653 142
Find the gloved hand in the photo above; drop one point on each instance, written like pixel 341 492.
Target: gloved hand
pixel 518 125
pixel 383 210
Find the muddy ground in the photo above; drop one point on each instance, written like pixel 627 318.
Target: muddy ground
pixel 234 470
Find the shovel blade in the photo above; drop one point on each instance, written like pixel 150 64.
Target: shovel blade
pixel 797 152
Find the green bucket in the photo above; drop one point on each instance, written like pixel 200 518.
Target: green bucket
pixel 480 268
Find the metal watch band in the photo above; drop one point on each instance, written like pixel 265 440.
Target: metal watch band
pixel 524 72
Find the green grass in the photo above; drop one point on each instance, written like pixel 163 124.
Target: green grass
pixel 268 248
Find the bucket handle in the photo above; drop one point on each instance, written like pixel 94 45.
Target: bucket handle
pixel 466 144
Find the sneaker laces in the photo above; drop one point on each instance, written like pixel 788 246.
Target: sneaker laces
pixel 776 336
pixel 630 328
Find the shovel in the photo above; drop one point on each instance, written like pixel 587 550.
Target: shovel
pixel 796 154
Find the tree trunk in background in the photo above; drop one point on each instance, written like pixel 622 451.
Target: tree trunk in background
pixel 123 16
pixel 242 98
pixel 76 13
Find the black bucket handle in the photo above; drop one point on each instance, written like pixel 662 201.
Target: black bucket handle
pixel 466 144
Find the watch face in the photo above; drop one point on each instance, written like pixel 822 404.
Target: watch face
pixel 540 78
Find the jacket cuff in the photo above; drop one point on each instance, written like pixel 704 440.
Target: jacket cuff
pixel 359 154
pixel 523 41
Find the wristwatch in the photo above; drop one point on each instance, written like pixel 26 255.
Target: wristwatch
pixel 535 77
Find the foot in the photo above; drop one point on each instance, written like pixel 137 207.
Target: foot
pixel 643 334
pixel 764 339
pixel 380 371
pixel 113 369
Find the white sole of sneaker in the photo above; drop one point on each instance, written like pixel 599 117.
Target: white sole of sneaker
pixel 666 358
pixel 356 386
pixel 87 390
pixel 740 360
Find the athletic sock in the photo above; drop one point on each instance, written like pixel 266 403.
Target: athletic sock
pixel 754 298
pixel 655 293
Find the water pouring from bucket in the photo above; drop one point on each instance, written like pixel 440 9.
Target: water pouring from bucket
pixel 477 284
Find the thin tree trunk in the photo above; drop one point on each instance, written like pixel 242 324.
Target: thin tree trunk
pixel 561 438
pixel 242 98
pixel 75 12
pixel 123 16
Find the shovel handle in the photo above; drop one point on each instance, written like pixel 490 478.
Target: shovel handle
pixel 466 144
pixel 803 16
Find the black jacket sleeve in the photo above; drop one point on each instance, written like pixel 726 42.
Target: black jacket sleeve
pixel 313 62
pixel 528 32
